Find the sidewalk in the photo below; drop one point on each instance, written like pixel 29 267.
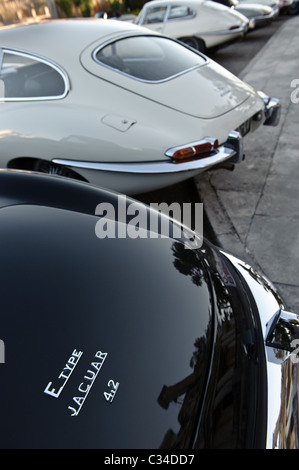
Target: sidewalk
pixel 254 210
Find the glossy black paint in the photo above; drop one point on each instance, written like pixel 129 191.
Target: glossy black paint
pixel 167 334
pixel 235 411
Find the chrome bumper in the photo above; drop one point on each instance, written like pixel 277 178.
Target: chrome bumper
pixel 272 109
pixel 231 151
pixel 280 330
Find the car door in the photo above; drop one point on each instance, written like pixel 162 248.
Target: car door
pixel 179 21
pixel 154 17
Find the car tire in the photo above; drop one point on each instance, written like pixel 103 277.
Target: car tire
pixel 195 43
pixel 43 166
pixel 294 8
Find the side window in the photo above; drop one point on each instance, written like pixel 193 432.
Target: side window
pixel 154 15
pixel 178 12
pixel 27 77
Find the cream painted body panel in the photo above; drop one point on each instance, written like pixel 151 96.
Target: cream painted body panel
pixel 79 132
pixel 108 117
pixel 206 92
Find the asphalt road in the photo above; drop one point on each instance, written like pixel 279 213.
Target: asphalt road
pixel 234 57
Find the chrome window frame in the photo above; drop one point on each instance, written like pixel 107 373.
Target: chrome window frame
pixel 44 60
pixel 171 77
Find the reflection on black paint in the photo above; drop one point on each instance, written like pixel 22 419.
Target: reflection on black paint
pixel 229 403
pixel 187 263
pixel 186 394
pixel 190 388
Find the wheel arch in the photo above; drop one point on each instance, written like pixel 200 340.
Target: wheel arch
pixel 194 42
pixel 43 166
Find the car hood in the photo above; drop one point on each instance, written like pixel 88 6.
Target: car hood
pixel 207 91
pixel 107 340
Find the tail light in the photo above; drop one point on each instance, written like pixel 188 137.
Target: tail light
pixel 201 148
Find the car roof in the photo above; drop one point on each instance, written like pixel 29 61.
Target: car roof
pixel 63 35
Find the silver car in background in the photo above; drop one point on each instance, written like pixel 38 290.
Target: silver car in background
pixel 201 24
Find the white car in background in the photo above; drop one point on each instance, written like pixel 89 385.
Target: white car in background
pixel 118 105
pixel 274 4
pixel 199 23
pixel 257 14
pixel 290 7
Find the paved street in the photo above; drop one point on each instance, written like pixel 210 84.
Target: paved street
pixel 254 210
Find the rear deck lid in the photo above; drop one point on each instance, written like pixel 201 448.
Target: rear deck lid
pixel 107 341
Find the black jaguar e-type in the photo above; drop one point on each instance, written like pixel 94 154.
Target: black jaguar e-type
pixel 133 342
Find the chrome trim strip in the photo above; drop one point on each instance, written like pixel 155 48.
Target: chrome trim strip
pixel 235 142
pixel 231 150
pixel 282 365
pixel 223 153
pixel 268 307
pixel 272 109
pixel 241 29
pixel 60 70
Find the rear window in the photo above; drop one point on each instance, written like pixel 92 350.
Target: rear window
pixel 148 58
